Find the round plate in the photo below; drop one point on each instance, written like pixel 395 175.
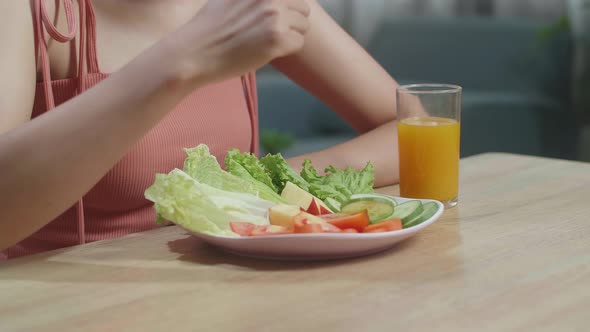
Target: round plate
pixel 317 246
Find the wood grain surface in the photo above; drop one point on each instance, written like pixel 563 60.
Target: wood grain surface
pixel 513 256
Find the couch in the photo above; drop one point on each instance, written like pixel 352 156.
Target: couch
pixel 516 85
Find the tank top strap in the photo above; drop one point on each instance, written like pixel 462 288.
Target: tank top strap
pixel 87 56
pixel 43 23
pixel 52 29
pixel 91 50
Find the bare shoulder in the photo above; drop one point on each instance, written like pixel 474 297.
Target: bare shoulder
pixel 17 63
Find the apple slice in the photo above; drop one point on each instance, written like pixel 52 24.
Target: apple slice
pixel 297 196
pixel 314 208
pixel 283 215
pixel 324 210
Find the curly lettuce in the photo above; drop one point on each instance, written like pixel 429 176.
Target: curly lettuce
pixel 203 167
pixel 281 172
pixel 338 184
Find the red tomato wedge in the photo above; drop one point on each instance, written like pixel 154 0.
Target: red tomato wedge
pixel 242 228
pixel 329 228
pixel 270 230
pixel 307 219
pixel 385 226
pixel 309 228
pixel 249 229
pixel 356 221
pixel 329 216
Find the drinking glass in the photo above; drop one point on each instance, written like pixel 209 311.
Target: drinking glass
pixel 429 118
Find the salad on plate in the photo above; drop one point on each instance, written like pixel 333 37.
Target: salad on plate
pixel 254 197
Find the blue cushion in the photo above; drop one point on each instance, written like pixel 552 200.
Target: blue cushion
pixel 477 53
pixel 285 106
pixel 493 122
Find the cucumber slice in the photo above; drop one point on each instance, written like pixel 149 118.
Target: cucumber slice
pixel 379 208
pixel 332 204
pixel 408 211
pixel 430 209
pixel 391 199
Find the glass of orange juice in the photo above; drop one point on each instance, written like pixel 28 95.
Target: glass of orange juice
pixel 429 118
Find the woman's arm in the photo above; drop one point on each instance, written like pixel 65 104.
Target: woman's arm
pixel 48 163
pixel 334 68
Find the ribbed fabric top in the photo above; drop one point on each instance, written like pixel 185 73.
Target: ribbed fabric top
pixel 223 116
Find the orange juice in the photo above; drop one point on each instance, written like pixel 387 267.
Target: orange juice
pixel 429 158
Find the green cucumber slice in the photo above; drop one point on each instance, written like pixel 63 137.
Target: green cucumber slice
pixel 379 208
pixel 391 199
pixel 407 211
pixel 429 209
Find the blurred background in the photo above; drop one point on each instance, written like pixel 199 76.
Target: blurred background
pixel 523 65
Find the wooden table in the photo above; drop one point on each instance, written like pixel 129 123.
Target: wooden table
pixel 513 256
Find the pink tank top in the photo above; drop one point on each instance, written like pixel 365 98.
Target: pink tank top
pixel 223 116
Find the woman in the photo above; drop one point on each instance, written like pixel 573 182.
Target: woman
pixel 78 146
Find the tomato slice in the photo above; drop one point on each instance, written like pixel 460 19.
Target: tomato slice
pixel 304 219
pixel 330 216
pixel 385 226
pixel 329 228
pixel 357 221
pixel 309 228
pixel 242 228
pixel 349 230
pixel 267 230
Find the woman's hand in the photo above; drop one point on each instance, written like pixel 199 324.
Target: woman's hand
pixel 228 38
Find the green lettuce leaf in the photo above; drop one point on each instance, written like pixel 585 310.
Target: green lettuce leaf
pixel 338 184
pixel 309 173
pixel 198 207
pixel 335 191
pixel 281 172
pixel 360 182
pixel 203 167
pixel 251 164
pixel 264 191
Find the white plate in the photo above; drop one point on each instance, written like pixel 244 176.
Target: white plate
pixel 317 246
